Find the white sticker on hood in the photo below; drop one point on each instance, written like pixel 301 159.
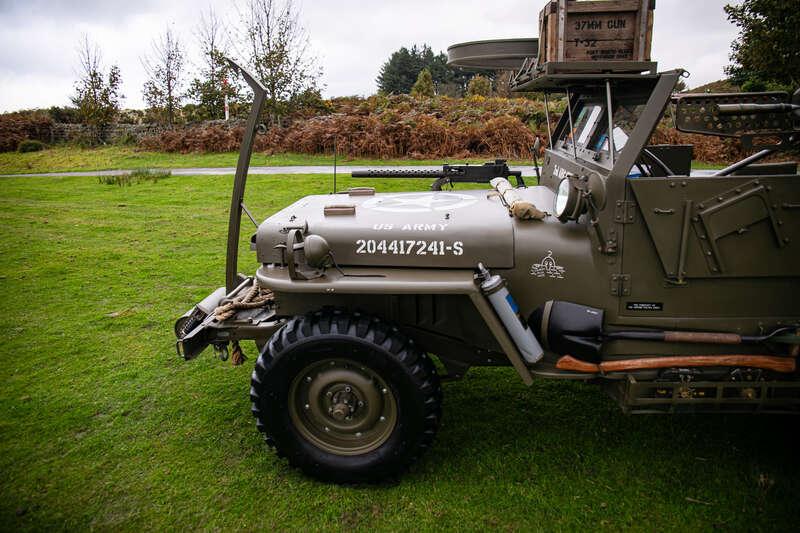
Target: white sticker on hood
pixel 420 203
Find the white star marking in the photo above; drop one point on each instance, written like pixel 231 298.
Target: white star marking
pixel 420 203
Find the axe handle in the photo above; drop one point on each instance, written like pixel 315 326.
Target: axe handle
pixel 778 364
pixel 576 365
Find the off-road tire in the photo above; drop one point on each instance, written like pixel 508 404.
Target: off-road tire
pixel 369 341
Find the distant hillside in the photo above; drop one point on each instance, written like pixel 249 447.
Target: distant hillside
pixel 719 86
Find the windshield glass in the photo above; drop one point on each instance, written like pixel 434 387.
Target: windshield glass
pixel 587 121
pixel 588 136
pixel 625 118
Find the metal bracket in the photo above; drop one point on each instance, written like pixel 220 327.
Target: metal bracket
pixel 625 212
pixel 620 285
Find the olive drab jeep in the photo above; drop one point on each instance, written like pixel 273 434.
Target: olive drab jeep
pixel 674 290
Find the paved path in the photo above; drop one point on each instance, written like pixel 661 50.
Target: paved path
pixel 271 171
pixel 230 171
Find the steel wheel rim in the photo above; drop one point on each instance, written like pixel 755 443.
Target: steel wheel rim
pixel 342 407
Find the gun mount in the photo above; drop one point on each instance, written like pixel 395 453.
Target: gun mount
pixel 451 174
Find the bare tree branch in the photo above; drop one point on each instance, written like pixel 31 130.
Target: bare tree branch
pixel 164 67
pixel 212 86
pixel 279 52
pixel 96 95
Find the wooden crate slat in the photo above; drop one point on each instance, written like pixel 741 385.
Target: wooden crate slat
pixel 607 6
pixel 596 30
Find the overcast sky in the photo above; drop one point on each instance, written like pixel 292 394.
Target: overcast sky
pixel 352 38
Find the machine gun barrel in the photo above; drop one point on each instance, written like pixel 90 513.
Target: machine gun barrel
pixel 422 173
pixel 747 109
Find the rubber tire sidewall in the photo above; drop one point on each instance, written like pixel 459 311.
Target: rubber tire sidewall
pixel 387 460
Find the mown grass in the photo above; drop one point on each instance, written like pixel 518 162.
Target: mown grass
pixel 72 159
pixel 103 427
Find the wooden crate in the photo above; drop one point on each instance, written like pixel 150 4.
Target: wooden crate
pixel 596 30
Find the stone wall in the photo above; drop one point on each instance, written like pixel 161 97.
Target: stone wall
pixel 112 134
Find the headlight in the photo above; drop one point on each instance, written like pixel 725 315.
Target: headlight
pixel 569 202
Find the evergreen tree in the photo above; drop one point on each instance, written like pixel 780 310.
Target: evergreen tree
pixel 401 71
pixel 424 85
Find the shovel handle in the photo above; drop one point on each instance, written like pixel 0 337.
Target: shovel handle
pixel 704 338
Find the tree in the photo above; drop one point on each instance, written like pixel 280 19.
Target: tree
pixel 97 95
pixel 765 54
pixel 400 72
pixel 280 53
pixel 164 67
pixel 209 91
pixel 452 81
pixel 479 86
pixel 424 85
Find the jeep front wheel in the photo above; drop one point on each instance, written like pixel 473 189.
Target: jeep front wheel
pixel 345 397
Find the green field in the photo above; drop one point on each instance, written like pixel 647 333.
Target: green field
pixel 103 427
pixel 70 159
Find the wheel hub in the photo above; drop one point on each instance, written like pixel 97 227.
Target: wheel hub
pixel 342 407
pixel 344 404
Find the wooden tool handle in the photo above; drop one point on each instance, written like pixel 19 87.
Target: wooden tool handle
pixel 706 338
pixel 575 365
pixel 778 364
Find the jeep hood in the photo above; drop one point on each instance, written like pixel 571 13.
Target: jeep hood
pixel 443 229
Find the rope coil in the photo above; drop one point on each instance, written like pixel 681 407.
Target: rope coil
pixel 254 298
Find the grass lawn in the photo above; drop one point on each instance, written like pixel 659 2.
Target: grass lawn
pixel 69 159
pixel 103 427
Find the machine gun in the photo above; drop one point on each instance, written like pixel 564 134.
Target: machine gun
pixel 767 121
pixel 451 174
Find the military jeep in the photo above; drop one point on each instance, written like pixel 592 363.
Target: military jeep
pixel 675 291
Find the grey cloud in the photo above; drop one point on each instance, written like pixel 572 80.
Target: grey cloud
pixel 66 11
pixel 351 37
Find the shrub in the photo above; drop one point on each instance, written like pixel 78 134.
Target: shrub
pixel 65 115
pixel 127 139
pixel 479 86
pixel 404 126
pixel 21 125
pixel 30 145
pixel 137 176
